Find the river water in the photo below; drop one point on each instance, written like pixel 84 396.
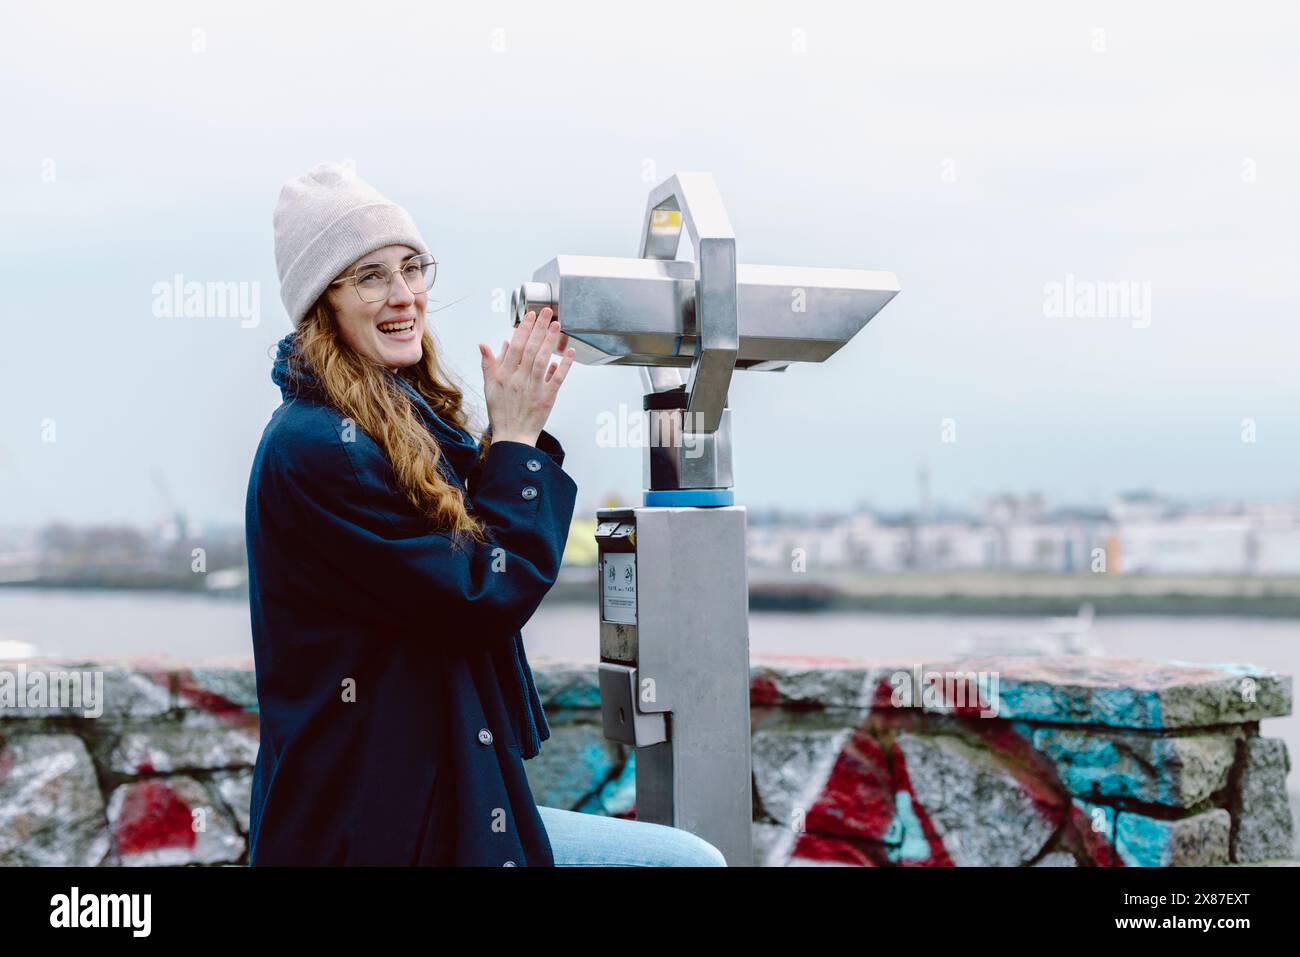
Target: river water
pixel 110 623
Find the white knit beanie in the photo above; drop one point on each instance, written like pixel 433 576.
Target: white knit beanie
pixel 325 220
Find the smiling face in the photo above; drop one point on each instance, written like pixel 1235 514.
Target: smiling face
pixel 362 324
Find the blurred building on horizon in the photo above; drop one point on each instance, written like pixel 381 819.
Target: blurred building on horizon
pixel 1139 533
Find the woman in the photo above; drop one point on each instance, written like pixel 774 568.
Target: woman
pixel 392 562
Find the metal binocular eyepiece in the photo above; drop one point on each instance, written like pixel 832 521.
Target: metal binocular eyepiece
pixel 531 297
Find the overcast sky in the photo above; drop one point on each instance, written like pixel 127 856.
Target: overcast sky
pixel 979 152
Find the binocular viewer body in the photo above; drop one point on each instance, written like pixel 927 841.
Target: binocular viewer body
pixel 711 316
pixel 642 312
pixel 673 585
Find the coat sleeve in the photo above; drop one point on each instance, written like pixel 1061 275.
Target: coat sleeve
pixel 545 442
pixel 551 446
pixel 346 510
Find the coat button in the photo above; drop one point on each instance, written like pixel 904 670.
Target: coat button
pixel 529 492
pixel 484 736
pixel 509 864
pixel 533 465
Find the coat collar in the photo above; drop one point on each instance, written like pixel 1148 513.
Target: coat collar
pixel 296 380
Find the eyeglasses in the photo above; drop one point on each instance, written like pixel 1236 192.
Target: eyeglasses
pixel 374 281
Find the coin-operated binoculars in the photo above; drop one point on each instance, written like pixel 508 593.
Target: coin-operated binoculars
pixel 673 592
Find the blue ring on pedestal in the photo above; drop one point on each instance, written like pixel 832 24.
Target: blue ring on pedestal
pixel 689 497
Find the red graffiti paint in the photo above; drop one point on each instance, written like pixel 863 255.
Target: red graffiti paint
pixel 193 693
pixel 1088 845
pixel 857 799
pixel 815 847
pixel 153 817
pixel 938 853
pixel 763 691
pixel 851 817
pixel 883 697
pixel 1032 769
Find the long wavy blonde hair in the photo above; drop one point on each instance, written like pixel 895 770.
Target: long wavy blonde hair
pixel 365 393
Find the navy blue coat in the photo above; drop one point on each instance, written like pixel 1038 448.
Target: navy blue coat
pixel 396 703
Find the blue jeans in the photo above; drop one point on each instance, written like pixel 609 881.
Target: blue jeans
pixel 593 840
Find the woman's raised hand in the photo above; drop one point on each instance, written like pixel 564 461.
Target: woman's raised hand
pixel 520 384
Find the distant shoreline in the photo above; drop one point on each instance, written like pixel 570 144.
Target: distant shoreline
pixel 956 593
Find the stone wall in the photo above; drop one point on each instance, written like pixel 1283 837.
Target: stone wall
pixel 1063 762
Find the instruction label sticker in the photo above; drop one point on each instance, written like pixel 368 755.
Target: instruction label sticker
pixel 618 588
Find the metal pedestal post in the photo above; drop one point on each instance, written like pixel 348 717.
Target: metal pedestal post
pixel 674 670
